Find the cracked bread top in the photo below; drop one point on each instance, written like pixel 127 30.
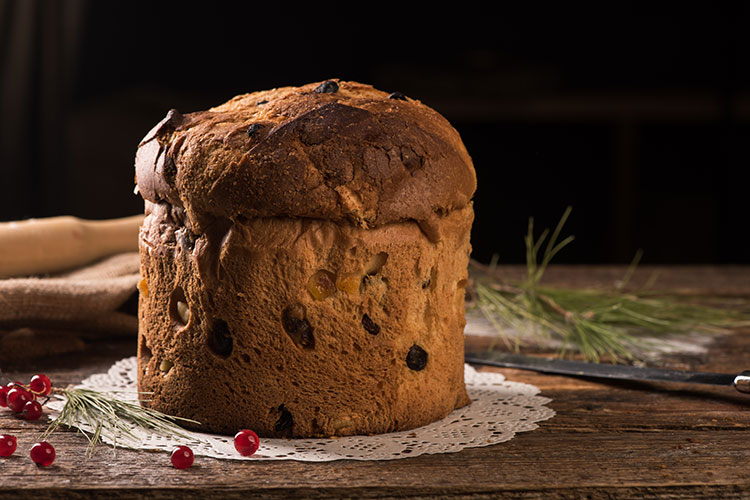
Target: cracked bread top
pixel 335 150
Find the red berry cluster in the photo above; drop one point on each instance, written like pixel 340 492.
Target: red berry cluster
pixel 23 399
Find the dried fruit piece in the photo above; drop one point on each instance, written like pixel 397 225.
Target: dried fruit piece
pixel 322 284
pixel 186 240
pixel 285 421
pixel 349 282
pixel 370 326
pixel 416 359
pixel 297 327
pixel 327 87
pixel 253 129
pixel 220 339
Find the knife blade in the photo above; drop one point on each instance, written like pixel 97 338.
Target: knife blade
pixel 740 381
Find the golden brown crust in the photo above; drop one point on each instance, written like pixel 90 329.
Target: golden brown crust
pixel 352 155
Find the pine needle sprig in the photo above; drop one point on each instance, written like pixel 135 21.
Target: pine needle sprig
pixel 96 413
pixel 598 324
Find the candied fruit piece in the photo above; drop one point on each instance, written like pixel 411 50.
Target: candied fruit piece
pixel 143 287
pixel 349 282
pixel 322 284
pixel 342 423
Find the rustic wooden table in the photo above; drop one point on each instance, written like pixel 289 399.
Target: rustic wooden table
pixel 608 440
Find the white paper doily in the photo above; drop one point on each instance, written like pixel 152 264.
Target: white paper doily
pixel 499 410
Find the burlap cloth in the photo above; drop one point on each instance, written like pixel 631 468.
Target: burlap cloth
pixel 59 313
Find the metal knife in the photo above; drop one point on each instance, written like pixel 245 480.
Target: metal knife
pixel 740 381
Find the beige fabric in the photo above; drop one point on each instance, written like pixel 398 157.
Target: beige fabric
pixel 80 304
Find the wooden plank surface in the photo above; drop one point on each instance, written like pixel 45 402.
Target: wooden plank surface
pixel 608 439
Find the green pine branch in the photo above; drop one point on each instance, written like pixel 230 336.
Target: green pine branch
pixel 596 323
pixel 105 413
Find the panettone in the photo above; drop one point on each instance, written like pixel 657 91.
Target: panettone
pixel 304 258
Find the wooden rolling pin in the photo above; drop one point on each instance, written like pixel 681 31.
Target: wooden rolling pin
pixel 37 246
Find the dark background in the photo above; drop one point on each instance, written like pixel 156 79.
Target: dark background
pixel 638 119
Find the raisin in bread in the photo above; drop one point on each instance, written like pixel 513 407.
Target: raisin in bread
pixel 304 258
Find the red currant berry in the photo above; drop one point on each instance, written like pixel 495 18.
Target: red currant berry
pixel 182 457
pixel 17 398
pixel 4 396
pixel 246 442
pixel 40 384
pixel 32 410
pixel 43 454
pixel 7 445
